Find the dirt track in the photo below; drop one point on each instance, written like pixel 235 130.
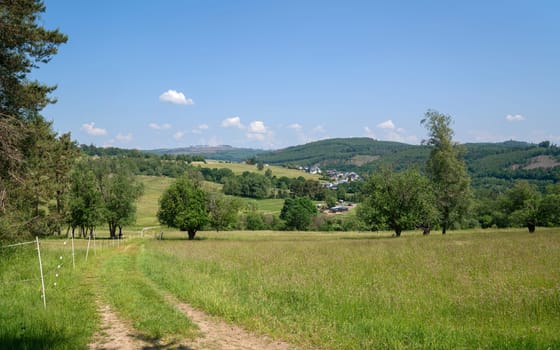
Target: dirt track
pixel 214 334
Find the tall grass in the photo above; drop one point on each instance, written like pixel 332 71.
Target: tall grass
pixel 69 319
pixel 464 290
pixel 139 300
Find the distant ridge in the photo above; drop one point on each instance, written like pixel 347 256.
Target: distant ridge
pixel 509 159
pixel 343 151
pixel 221 152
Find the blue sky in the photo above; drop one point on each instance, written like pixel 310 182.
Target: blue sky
pixel 270 74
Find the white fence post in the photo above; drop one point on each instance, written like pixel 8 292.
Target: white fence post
pixel 41 269
pixel 73 260
pixel 87 250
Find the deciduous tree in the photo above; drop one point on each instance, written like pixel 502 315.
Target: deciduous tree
pixel 183 206
pixel 120 195
pixel 398 201
pixel 549 210
pixel 85 205
pixel 298 213
pixel 446 170
pixel 223 210
pixel 521 204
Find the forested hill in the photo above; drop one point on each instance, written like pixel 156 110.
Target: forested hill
pixel 487 162
pixel 224 152
pixel 336 152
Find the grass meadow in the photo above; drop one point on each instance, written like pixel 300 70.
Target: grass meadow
pixel 471 289
pixel 361 291
pixel 70 318
pixel 486 289
pixel 239 168
pixel 148 203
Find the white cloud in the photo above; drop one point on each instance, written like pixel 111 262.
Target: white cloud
pixel 369 132
pixel 300 134
pixel 514 118
pixel 175 97
pixel 156 126
pixel 179 135
pixel 391 133
pixel 200 129
pixel 257 127
pixel 319 129
pixel 124 138
pixel 92 130
pixel 259 137
pixel 233 122
pixel 258 131
pixel 388 124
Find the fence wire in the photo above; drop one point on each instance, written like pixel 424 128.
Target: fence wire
pixel 50 272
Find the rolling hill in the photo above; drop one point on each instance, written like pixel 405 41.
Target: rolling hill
pixel 222 152
pixel 490 164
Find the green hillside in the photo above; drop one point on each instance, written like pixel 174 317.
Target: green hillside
pixel 491 165
pixel 335 152
pixel 488 163
pixel 225 153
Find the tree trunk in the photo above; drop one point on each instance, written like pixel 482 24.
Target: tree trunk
pixel 398 232
pixel 444 229
pixel 3 194
pixel 112 230
pixel 191 233
pixel 531 226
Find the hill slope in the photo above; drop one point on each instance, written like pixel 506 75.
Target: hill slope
pixel 335 152
pixel 223 152
pixel 495 163
pixel 488 163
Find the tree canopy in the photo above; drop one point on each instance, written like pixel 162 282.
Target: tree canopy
pixel 24 44
pixel 446 170
pixel 399 201
pixel 183 206
pixel 298 213
pixel 32 157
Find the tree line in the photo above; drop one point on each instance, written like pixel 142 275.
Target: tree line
pixel 34 160
pixel 438 198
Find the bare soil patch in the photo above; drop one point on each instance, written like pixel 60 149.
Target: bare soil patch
pixel 219 335
pixel 215 334
pixel 116 333
pixel 543 161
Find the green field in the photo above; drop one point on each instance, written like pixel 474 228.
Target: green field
pixel 239 168
pixel 357 291
pixel 148 203
pixel 472 289
pixel 154 186
pixel 317 290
